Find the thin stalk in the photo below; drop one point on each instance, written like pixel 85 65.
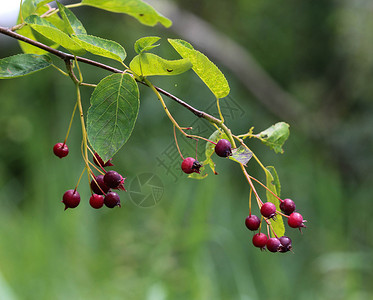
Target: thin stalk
pixel 71 121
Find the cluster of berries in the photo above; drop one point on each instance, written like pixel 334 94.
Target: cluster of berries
pixel 101 185
pixel 268 211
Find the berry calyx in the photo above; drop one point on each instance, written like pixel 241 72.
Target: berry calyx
pixel 287 206
pixel 71 199
pixel 112 199
pixel 190 165
pixel 96 201
pixel 101 184
pixel 252 222
pixel 60 150
pixel 260 240
pixel 268 210
pixel 295 220
pixel 113 179
pixel 273 244
pixel 99 162
pixel 223 148
pixel 285 244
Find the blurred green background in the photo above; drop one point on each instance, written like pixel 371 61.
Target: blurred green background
pixel 193 244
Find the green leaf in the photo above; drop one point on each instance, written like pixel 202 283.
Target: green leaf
pixel 100 46
pixel 146 44
pixel 241 155
pixel 204 68
pixel 112 114
pixel 72 23
pixel 275 136
pixel 52 33
pixel 148 64
pixel 22 64
pixel 273 183
pixel 138 9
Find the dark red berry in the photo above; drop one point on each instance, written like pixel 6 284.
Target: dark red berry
pixel 112 199
pixel 190 165
pixel 96 201
pixel 101 184
pixel 260 240
pixel 295 220
pixel 287 206
pixel 60 150
pixel 71 199
pixel 273 244
pixel 285 244
pixel 223 148
pixel 252 222
pixel 268 210
pixel 99 162
pixel 113 179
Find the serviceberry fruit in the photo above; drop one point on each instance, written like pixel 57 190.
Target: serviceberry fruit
pixel 273 244
pixel 285 244
pixel 260 240
pixel 71 199
pixel 112 199
pixel 252 222
pixel 287 206
pixel 190 165
pixel 101 184
pixel 268 210
pixel 96 201
pixel 99 162
pixel 295 220
pixel 113 179
pixel 60 150
pixel 223 148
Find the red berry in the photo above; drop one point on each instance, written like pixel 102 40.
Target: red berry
pixel 60 150
pixel 252 222
pixel 295 220
pixel 285 244
pixel 287 206
pixel 223 148
pixel 260 240
pixel 190 165
pixel 268 210
pixel 101 184
pixel 273 244
pixel 96 201
pixel 113 179
pixel 99 162
pixel 71 199
pixel 112 199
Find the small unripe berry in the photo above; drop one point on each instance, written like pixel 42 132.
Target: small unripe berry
pixel 260 240
pixel 113 179
pixel 273 244
pixel 96 201
pixel 287 206
pixel 190 165
pixel 268 210
pixel 223 148
pixel 101 184
pixel 71 199
pixel 252 222
pixel 295 220
pixel 60 150
pixel 112 199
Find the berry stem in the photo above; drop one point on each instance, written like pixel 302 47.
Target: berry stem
pixel 71 121
pixel 263 185
pixel 177 144
pixel 258 200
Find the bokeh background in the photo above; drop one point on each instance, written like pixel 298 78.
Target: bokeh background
pixel 308 63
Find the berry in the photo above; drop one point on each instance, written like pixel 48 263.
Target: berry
pixel 273 244
pixel 223 148
pixel 252 222
pixel 96 201
pixel 295 220
pixel 260 240
pixel 101 184
pixel 285 244
pixel 190 165
pixel 287 206
pixel 112 199
pixel 71 199
pixel 268 210
pixel 60 150
pixel 113 179
pixel 99 162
